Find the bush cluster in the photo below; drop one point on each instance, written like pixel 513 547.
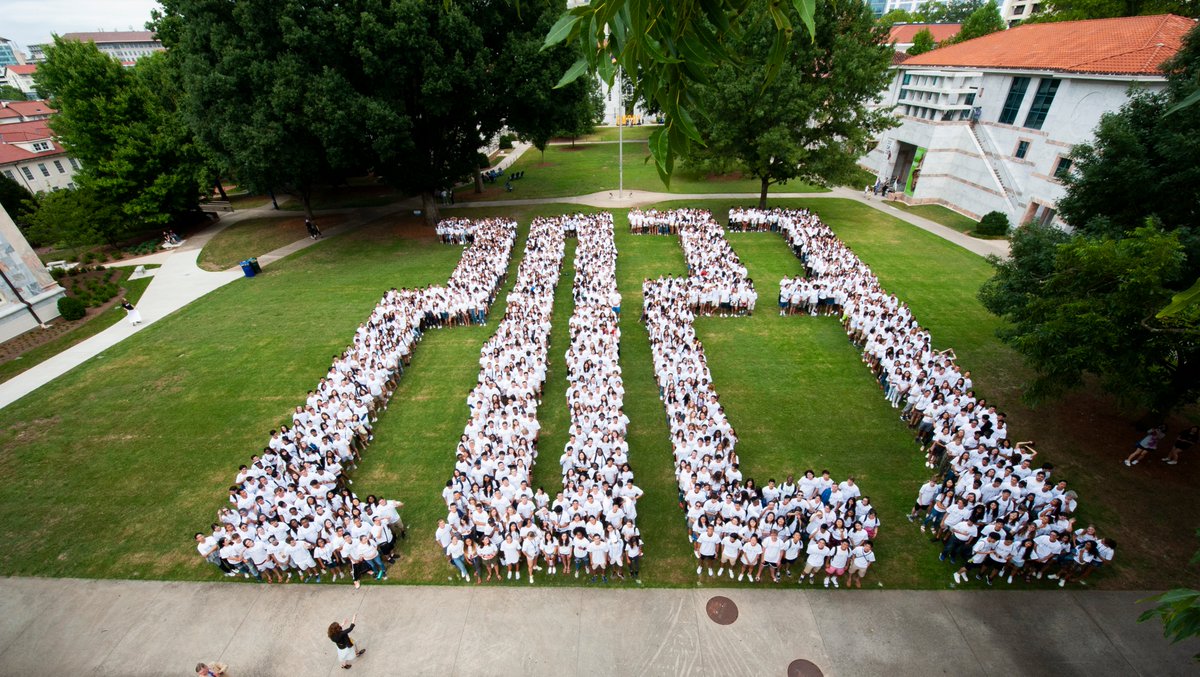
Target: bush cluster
pixel 71 308
pixel 993 223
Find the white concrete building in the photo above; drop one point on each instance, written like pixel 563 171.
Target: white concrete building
pixel 986 125
pixel 21 77
pixel 124 46
pixel 28 295
pixel 1015 11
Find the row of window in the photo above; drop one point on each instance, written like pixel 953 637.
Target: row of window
pixel 1036 117
pixel 1061 168
pixel 43 169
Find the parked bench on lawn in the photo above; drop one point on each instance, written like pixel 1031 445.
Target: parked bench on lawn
pixel 214 206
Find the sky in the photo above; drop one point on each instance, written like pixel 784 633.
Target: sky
pixel 30 22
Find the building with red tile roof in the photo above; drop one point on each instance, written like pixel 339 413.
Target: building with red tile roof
pixel 900 37
pixel 988 124
pixel 29 152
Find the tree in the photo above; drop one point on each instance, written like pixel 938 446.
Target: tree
pixel 123 125
pixel 922 42
pixel 1076 10
pixel 74 218
pixel 265 89
pixel 811 120
pixel 13 197
pixel 902 16
pixel 672 45
pixel 10 93
pixel 1090 302
pixel 1179 610
pixel 953 11
pixel 983 21
pixel 533 107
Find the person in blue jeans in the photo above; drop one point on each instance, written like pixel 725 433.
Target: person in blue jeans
pixel 456 551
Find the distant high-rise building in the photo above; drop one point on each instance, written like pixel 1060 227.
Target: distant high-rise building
pixel 124 46
pixel 9 54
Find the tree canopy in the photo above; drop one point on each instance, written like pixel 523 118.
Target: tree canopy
pixel 124 126
pixel 1089 302
pixel 922 42
pixel 983 21
pixel 1075 10
pixel 13 197
pixel 810 121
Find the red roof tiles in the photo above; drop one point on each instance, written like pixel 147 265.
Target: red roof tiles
pixel 1135 45
pixel 903 33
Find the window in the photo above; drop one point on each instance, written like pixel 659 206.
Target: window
pixel 1016 94
pixel 42 166
pixel 74 163
pixel 1018 10
pixel 907 79
pixel 10 175
pixel 970 99
pixel 1022 149
pixel 59 167
pixel 28 174
pixel 1062 168
pixel 1041 103
pixel 903 94
pixel 41 145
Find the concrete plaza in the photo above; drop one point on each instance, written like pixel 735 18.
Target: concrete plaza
pixel 77 627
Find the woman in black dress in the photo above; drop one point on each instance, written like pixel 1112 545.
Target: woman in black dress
pixel 340 636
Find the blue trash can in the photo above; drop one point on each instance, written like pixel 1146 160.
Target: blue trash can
pixel 247 269
pixel 254 264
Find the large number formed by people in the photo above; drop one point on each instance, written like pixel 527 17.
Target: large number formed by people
pixel 813 527
pixel 497 527
pixel 987 504
pixel 292 510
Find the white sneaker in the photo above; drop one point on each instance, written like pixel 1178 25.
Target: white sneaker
pixel 467 578
pixel 731 573
pixel 1053 577
pixel 531 580
pixel 1039 575
pixel 1010 580
pixel 1127 463
pixel 827 581
pixel 835 583
pixel 721 571
pixel 710 573
pixel 741 576
pixel 956 577
pixel 1062 583
pixel 576 574
pixel 697 571
pixel 509 575
pixel 518 575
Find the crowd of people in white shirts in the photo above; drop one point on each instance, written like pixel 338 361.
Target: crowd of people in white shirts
pixel 495 521
pixel 738 527
pixel 292 512
pixel 988 503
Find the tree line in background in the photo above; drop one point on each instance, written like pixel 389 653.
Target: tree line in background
pixel 287 96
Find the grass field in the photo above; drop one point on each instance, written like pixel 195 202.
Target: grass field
pixel 945 216
pixel 255 237
pixel 636 132
pixel 592 168
pixel 112 468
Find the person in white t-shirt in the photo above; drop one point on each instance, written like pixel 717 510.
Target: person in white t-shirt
pixel 773 547
pixel 818 553
pixel 510 550
pixel 706 546
pixel 751 552
pixel 731 547
pixel 860 560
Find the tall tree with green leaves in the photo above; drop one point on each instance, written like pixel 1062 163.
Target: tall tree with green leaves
pixel 13 197
pixel 811 120
pixel 983 21
pixel 922 42
pixel 124 126
pixel 10 93
pixel 953 11
pixel 266 89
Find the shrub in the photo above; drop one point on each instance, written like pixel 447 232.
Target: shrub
pixel 71 308
pixel 506 141
pixel 993 223
pixel 58 273
pixel 482 161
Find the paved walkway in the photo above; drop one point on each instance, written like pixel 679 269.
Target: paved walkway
pixel 75 627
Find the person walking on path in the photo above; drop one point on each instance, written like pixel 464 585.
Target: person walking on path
pixel 1187 439
pixel 340 636
pixel 313 231
pixel 135 318
pixel 1148 444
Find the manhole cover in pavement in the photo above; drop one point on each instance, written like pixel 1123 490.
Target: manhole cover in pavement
pixel 803 668
pixel 722 610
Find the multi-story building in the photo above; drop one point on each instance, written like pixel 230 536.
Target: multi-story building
pixel 9 54
pixel 1015 11
pixel 29 154
pixel 124 46
pixel 21 77
pixel 987 125
pixel 28 295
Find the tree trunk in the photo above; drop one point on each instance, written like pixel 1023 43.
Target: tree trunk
pixel 762 196
pixel 429 207
pixel 306 200
pixel 478 180
pixel 221 190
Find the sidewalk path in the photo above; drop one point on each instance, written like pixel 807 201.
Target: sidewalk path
pixel 74 627
pixel 176 284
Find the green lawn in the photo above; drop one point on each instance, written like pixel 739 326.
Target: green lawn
pixel 132 290
pixel 636 132
pixel 945 216
pixel 592 168
pixel 254 237
pixel 111 468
